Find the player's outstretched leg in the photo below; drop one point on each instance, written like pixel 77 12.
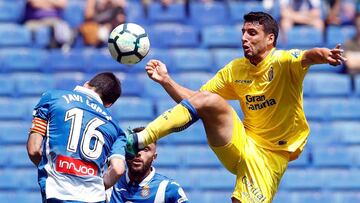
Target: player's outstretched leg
pixel 215 112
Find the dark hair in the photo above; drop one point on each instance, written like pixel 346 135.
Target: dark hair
pixel 269 23
pixel 107 85
pixel 139 129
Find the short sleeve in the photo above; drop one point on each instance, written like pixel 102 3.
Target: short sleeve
pixel 294 58
pixel 174 193
pixel 220 84
pixel 41 110
pixel 118 148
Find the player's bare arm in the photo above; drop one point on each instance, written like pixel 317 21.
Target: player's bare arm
pixel 324 55
pixel 157 71
pixel 34 147
pixel 115 170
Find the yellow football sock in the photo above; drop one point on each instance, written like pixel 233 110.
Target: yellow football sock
pixel 176 119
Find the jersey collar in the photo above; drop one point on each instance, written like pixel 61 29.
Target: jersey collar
pixel 88 92
pixel 259 69
pixel 146 180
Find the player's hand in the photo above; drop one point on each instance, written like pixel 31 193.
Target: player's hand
pixel 336 56
pixel 157 71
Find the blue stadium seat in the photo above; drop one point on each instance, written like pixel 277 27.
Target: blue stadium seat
pixel 357 85
pixel 195 134
pixel 312 197
pixel 331 108
pixel 180 175
pixel 169 35
pixel 68 81
pixel 209 196
pixel 164 104
pixel 309 37
pixel 11 109
pixel 32 197
pixel 28 178
pixel 20 196
pixel 100 60
pixel 328 84
pixel 211 13
pixel 192 60
pixel 6 196
pixel 20 179
pixel 168 156
pixel 14 35
pixel 132 85
pixel 23 59
pixel 183 177
pixel 74 13
pixel 302 179
pixel 307 86
pixel 347 197
pixel 322 134
pixel 71 61
pixel 42 37
pixel 200 156
pixel 326 68
pixel 339 34
pixel 193 81
pixel 221 36
pixel 342 179
pixel 133 108
pixel 12 11
pixel 316 109
pixel 135 12
pixel 283 197
pixel 344 109
pixel 9 181
pixel 348 131
pixel 173 13
pixel 7 85
pixel 332 157
pixel 224 56
pixel 355 151
pixel 239 8
pixel 153 90
pixel 14 132
pixel 163 55
pixel 28 104
pixel 216 179
pixel 21 160
pixel 34 84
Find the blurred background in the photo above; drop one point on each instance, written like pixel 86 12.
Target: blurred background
pixel 57 44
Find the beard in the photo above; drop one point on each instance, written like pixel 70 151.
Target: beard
pixel 139 169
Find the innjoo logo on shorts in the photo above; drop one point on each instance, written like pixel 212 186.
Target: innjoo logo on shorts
pixel 73 166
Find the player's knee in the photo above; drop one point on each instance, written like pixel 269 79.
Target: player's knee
pixel 206 101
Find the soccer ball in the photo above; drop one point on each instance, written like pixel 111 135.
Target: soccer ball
pixel 128 43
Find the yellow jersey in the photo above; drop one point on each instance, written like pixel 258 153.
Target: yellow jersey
pixel 270 96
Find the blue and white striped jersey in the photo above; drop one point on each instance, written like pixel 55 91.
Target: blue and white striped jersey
pixel 155 188
pixel 81 137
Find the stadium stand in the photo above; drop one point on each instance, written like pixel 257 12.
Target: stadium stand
pixel 193 47
pixel 171 13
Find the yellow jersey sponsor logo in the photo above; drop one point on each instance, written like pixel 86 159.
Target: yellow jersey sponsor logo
pixel 258 102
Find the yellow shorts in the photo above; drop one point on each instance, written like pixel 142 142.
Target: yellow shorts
pixel 258 171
